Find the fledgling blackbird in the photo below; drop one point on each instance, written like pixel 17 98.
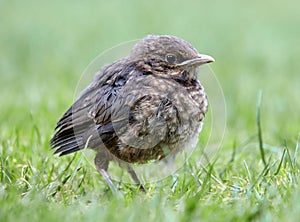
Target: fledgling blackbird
pixel 143 107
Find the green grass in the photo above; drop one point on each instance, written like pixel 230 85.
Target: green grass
pixel 44 50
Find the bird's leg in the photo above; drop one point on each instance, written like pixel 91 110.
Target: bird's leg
pixel 135 178
pixel 101 162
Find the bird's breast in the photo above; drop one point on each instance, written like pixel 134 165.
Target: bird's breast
pixel 162 117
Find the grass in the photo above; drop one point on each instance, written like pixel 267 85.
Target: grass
pixel 44 50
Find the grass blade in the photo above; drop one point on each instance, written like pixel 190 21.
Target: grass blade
pixel 281 161
pixel 260 138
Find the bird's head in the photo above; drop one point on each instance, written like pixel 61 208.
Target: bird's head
pixel 168 56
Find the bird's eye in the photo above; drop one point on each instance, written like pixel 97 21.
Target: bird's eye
pixel 170 58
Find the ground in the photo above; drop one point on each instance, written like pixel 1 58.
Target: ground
pixel 46 47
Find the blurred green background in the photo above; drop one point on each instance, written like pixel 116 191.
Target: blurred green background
pixel 45 47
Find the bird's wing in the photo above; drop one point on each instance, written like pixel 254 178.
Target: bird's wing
pixel 90 115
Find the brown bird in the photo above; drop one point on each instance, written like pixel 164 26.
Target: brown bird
pixel 146 106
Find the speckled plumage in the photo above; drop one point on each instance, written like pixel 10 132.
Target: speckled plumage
pixel 139 108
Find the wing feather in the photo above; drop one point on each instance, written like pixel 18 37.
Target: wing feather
pixel 90 115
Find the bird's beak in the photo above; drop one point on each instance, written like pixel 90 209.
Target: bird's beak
pixel 199 60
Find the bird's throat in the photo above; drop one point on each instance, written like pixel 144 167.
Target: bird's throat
pixel 185 77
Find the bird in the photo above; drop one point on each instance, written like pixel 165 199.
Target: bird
pixel 143 107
